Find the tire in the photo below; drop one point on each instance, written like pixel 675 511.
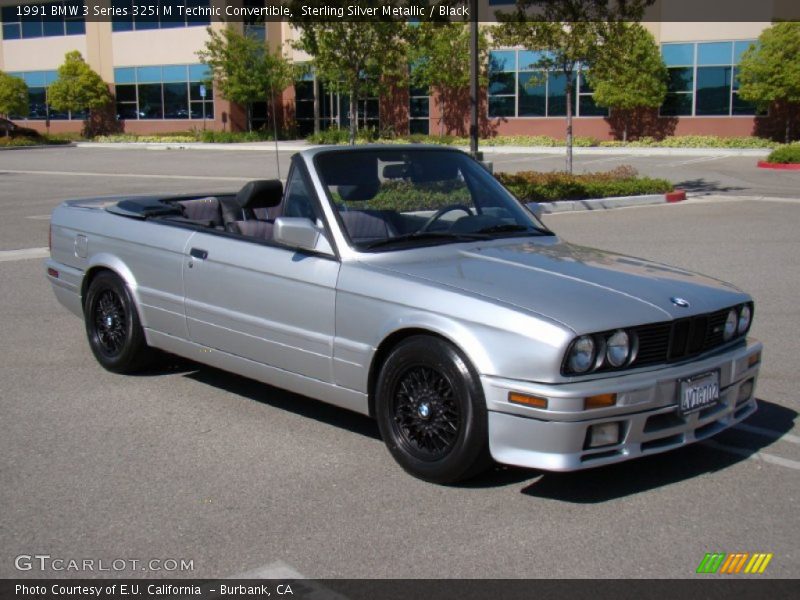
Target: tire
pixel 112 323
pixel 431 411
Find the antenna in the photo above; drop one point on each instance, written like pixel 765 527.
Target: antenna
pixel 275 129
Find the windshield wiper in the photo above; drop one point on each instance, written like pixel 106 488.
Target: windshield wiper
pixel 511 228
pixel 426 236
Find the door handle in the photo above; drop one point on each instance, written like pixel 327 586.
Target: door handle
pixel 198 253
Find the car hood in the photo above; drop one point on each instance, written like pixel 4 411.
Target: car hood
pixel 583 288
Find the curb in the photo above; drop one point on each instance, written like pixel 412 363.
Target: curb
pixel 762 164
pixel 297 146
pixel 606 203
pixel 38 146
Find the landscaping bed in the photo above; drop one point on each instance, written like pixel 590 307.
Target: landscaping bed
pixel 535 186
pixel 784 157
pixel 23 142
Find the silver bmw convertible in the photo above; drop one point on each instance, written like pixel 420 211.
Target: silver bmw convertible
pixel 406 283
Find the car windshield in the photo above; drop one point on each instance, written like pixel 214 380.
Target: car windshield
pixel 393 199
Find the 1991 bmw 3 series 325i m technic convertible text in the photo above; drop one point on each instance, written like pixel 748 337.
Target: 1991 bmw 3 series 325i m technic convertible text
pixel 406 283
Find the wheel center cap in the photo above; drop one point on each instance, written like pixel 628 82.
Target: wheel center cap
pixel 424 410
pixel 109 321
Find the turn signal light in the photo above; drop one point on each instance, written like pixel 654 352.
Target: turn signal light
pixel 599 401
pixel 525 399
pixel 753 359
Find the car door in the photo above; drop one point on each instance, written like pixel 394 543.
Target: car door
pixel 261 301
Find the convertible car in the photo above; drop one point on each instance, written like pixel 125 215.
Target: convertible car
pixel 406 283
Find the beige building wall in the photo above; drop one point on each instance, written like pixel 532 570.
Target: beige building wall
pixel 40 54
pixel 157 46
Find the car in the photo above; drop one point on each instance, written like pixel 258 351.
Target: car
pixel 10 129
pixel 404 282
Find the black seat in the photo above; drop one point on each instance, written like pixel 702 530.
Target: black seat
pixel 202 209
pixel 239 212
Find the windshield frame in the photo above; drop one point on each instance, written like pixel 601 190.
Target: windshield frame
pixel 538 228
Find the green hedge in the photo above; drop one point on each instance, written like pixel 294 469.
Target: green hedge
pixel 785 154
pixel 533 186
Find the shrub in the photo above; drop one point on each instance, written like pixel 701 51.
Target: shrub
pixel 693 141
pixel 785 154
pixel 342 136
pixel 533 186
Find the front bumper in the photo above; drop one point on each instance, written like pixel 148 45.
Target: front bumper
pixel 555 439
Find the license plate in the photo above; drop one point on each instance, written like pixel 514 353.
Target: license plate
pixel 699 392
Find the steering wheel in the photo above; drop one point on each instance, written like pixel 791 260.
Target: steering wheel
pixel 441 212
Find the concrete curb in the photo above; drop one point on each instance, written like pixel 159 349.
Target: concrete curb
pixel 606 203
pixel 38 146
pixel 556 151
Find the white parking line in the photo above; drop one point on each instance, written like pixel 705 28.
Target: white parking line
pixel 525 159
pixel 23 254
pixel 39 217
pixel 762 456
pixel 692 161
pixel 770 433
pixel 122 175
pixel 603 160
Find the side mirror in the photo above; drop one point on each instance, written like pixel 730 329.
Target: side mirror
pixel 301 233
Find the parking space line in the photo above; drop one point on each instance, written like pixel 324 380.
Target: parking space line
pixel 525 159
pixel 770 433
pixel 602 160
pixel 39 217
pixel 762 456
pixel 122 175
pixel 692 161
pixel 23 254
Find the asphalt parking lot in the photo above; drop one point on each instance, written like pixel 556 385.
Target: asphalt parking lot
pixel 187 462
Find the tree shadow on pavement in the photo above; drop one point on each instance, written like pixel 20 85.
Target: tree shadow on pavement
pixel 703 186
pixel 624 479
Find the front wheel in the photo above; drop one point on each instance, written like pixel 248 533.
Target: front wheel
pixel 431 411
pixel 115 334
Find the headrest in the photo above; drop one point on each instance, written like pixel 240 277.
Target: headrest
pixel 261 193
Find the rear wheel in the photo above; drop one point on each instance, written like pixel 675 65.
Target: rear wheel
pixel 115 334
pixel 431 411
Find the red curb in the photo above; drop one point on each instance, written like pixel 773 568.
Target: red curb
pixel 762 164
pixel 676 196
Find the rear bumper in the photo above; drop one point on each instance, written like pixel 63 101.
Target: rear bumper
pixel 67 286
pixel 646 411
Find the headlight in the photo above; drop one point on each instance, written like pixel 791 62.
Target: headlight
pixel 730 325
pixel 744 319
pixel 581 357
pixel 618 349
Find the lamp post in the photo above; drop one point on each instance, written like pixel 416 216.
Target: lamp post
pixel 473 79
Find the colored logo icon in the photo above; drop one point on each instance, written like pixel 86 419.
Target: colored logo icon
pixel 734 564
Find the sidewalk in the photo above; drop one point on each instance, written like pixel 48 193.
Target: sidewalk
pixel 299 145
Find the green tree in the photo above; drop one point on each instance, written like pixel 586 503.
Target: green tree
pixel 439 56
pixel 13 96
pixel 769 73
pixel 244 70
pixel 628 73
pixel 568 34
pixel 78 87
pixel 353 57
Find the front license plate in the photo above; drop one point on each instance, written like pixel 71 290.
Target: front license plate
pixel 699 392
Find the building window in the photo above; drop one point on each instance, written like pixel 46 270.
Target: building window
pixel 43 20
pixel 169 14
pixel 419 110
pixel 703 79
pixel 518 89
pixel 38 109
pixel 164 92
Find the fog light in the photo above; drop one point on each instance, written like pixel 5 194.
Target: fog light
pixel 605 434
pixel 745 391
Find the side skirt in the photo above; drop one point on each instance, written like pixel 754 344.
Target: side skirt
pixel 320 390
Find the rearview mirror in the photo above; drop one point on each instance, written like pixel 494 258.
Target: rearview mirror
pixel 301 233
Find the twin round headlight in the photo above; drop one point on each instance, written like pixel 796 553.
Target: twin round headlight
pixel 737 322
pixel 583 354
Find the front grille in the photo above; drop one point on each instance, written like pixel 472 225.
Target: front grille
pixel 677 340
